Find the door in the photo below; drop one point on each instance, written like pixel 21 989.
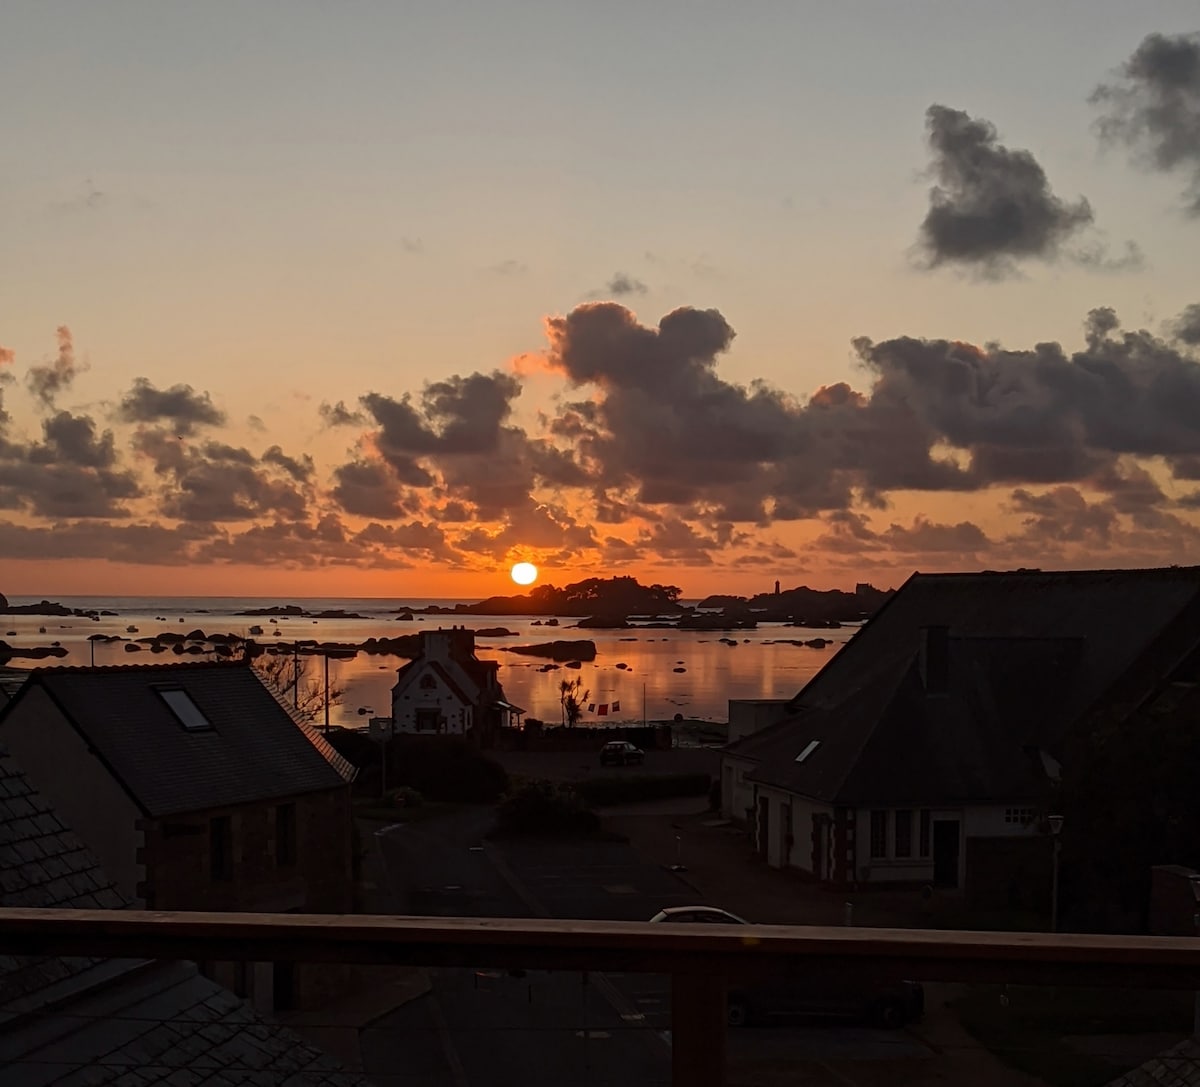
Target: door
pixel 785 835
pixel 945 852
pixel 823 869
pixel 764 825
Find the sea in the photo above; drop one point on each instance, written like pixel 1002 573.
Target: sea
pixel 665 671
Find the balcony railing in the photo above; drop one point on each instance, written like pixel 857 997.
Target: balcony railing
pixel 699 959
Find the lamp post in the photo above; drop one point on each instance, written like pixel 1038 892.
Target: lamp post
pixel 1056 825
pixel 1195 882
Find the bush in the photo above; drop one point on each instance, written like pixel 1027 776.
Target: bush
pixel 603 791
pixel 445 768
pixel 546 808
pixel 406 797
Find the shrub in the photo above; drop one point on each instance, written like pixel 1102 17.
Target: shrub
pixel 546 808
pixel 603 791
pixel 445 768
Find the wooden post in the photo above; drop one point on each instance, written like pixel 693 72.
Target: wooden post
pixel 698 1025
pixel 326 694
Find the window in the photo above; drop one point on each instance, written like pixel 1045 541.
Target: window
pixel 809 748
pixel 428 720
pixel 879 829
pixel 220 847
pixel 428 682
pixel 904 821
pixel 285 835
pixel 1018 817
pixel 926 824
pixel 186 712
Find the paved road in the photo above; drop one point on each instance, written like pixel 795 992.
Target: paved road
pixel 485 1028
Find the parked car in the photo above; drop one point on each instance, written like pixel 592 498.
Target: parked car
pixel 885 1004
pixel 621 753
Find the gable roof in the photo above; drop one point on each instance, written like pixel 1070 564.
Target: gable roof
pixel 118 1021
pixel 42 865
pixel 254 750
pixel 1028 654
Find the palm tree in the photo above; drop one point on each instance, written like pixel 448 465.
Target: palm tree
pixel 572 699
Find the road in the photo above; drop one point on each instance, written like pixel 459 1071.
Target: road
pixel 489 1029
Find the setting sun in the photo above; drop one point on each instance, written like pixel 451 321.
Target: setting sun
pixel 524 573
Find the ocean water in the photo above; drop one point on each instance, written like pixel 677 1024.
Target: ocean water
pixel 761 665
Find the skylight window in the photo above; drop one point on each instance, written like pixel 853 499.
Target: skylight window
pixel 809 748
pixel 186 711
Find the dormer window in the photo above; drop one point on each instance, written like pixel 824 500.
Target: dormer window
pixel 186 712
pixel 809 748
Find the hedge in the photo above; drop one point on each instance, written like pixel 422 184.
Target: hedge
pixel 606 791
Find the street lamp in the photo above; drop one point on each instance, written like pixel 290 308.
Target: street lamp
pixel 1056 825
pixel 1195 883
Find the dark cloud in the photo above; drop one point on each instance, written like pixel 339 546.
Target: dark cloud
pixel 1187 326
pixel 143 544
pixel 1041 414
pixel 301 470
pixel 73 439
pixel 621 285
pixel 213 482
pixel 1153 108
pixel 368 489
pixel 47 380
pixel 180 405
pixel 665 429
pixel 992 206
pixel 339 415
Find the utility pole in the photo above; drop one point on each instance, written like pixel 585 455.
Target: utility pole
pixel 326 694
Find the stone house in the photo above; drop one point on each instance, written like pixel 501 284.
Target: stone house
pixel 194 787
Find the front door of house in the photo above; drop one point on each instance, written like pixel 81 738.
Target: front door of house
pixel 945 852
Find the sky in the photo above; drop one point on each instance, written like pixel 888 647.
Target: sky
pixel 378 299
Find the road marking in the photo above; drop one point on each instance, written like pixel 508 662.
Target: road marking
pixel 457 1072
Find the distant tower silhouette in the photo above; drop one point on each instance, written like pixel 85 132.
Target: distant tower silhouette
pixel 777 588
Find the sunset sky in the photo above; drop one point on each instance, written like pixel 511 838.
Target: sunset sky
pixel 377 299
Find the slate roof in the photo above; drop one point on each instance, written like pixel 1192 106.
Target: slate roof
pixel 169 1026
pixel 1177 1067
pixel 77 1021
pixel 1029 653
pixel 42 864
pixel 254 751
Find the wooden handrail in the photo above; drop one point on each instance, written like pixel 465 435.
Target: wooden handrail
pixel 718 950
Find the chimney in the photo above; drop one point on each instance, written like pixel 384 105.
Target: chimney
pixel 935 659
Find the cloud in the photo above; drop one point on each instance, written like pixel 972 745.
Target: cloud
pixel 992 206
pixel 180 405
pixel 622 284
pixel 47 380
pixel 72 438
pixel 1153 108
pixel 1187 326
pixel 212 482
pixel 368 489
pixel 339 415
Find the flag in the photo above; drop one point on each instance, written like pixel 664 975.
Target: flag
pixel 616 706
pixel 591 707
pixel 603 711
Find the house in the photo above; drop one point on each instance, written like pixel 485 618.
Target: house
pixel 747 715
pixel 193 785
pixel 74 1020
pixel 929 750
pixel 448 691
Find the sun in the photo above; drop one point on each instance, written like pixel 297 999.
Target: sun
pixel 524 573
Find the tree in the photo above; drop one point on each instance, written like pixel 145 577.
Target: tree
pixel 572 698
pixel 290 677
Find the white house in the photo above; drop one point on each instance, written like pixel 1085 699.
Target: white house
pixel 926 752
pixel 447 691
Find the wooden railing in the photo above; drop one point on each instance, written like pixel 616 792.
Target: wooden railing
pixel 699 959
